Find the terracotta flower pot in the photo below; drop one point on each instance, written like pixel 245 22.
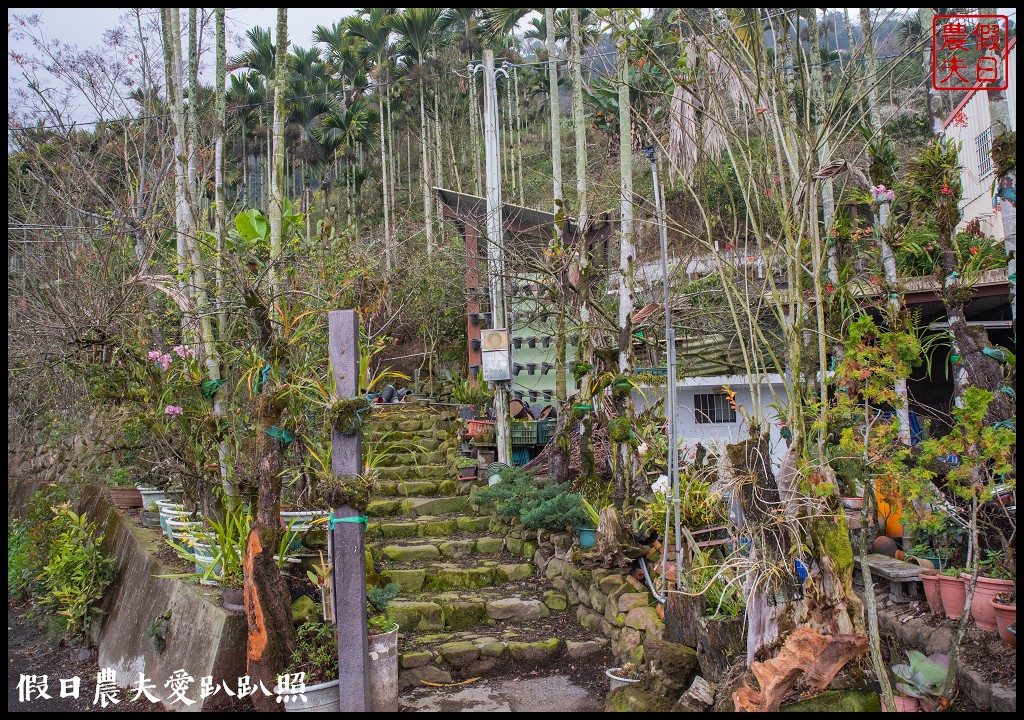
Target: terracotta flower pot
pixel 984 594
pixel 126 497
pixel 1006 615
pixel 932 590
pixel 954 594
pixel 903 704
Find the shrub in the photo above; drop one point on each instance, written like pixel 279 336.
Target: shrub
pixel 536 504
pixel 77 574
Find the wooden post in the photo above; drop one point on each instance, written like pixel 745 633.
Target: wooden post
pixel 349 578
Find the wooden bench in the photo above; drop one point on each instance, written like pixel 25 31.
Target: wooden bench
pixel 903 577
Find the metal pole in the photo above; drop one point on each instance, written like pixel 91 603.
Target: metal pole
pixel 495 243
pixel 670 380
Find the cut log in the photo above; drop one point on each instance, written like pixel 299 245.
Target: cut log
pixel 805 653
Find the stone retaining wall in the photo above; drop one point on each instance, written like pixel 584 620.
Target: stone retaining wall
pixel 610 602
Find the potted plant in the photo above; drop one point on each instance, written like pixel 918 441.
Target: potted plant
pixel 587 536
pixel 382 635
pixel 920 680
pixel 618 677
pixel 467 468
pixel 954 592
pixel 316 655
pixel 932 589
pixel 320 576
pixel 994 577
pixel 1004 605
pixel 123 492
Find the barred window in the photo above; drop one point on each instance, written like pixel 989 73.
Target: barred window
pixel 983 144
pixel 713 408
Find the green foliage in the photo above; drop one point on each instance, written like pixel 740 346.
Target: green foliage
pixel 380 597
pixel 316 653
pixel 469 392
pixel 923 677
pixel 619 430
pixel 17 557
pixel 535 503
pixel 121 477
pixel 157 632
pixel 1004 153
pixel 77 574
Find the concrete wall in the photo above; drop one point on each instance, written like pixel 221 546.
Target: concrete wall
pixel 202 639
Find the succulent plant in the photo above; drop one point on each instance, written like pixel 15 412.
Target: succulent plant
pixel 922 678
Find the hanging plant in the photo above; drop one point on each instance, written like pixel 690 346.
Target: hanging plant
pixel 579 369
pixel 346 415
pixel 619 430
pixel 622 386
pixel 1004 153
pixel 338 490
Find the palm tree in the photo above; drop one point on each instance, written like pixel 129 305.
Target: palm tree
pixel 417 30
pixel 464 23
pixel 375 32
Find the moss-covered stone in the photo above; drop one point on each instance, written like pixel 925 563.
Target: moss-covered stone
pixel 528 549
pixel 537 651
pixel 645 619
pixel 417 658
pixel 489 545
pixel 611 583
pixel 304 609
pixel 582 576
pixel 513 572
pixel 838 701
pixel 597 598
pixel 556 600
pixel 434 506
pixel 458 654
pixel 416 615
pixel 460 614
pixel 456 578
pixel 514 544
pixel 408 580
pixel 381 508
pixel 473 524
pixel 411 553
pixel 438 528
pixel 632 699
pixel 628 601
pixel 457 548
pixel 446 487
pixel 394 530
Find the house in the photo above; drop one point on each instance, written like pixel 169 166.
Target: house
pixel 974 123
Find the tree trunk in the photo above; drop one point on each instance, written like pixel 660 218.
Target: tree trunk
pixel 556 135
pixel 474 131
pixel 927 15
pixel 388 248
pixel 277 173
pixel 267 601
pixel 428 221
pixel 578 120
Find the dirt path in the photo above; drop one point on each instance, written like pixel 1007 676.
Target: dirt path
pixel 31 653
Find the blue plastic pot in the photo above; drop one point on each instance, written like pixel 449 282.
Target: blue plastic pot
pixel 586 536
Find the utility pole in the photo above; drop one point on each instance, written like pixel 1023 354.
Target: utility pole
pixel 495 243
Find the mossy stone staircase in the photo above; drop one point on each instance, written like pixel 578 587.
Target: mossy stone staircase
pixel 471 601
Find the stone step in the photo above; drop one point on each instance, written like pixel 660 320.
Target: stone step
pixel 448 547
pixel 443 657
pixel 421 488
pixel 424 471
pixel 416 577
pixel 417 506
pixel 462 610
pixel 425 526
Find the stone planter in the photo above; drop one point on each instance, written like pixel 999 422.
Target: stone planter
pixel 383 664
pixel 177 530
pixel 932 590
pixel 126 497
pixel 152 495
pixel 954 595
pixel 1006 615
pixel 853 503
pixel 468 472
pixel 984 594
pixel 615 681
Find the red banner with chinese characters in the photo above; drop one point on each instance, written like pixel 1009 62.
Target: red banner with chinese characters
pixel 969 52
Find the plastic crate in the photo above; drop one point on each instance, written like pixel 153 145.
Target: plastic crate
pixel 524 433
pixel 520 457
pixel 479 427
pixel 546 430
